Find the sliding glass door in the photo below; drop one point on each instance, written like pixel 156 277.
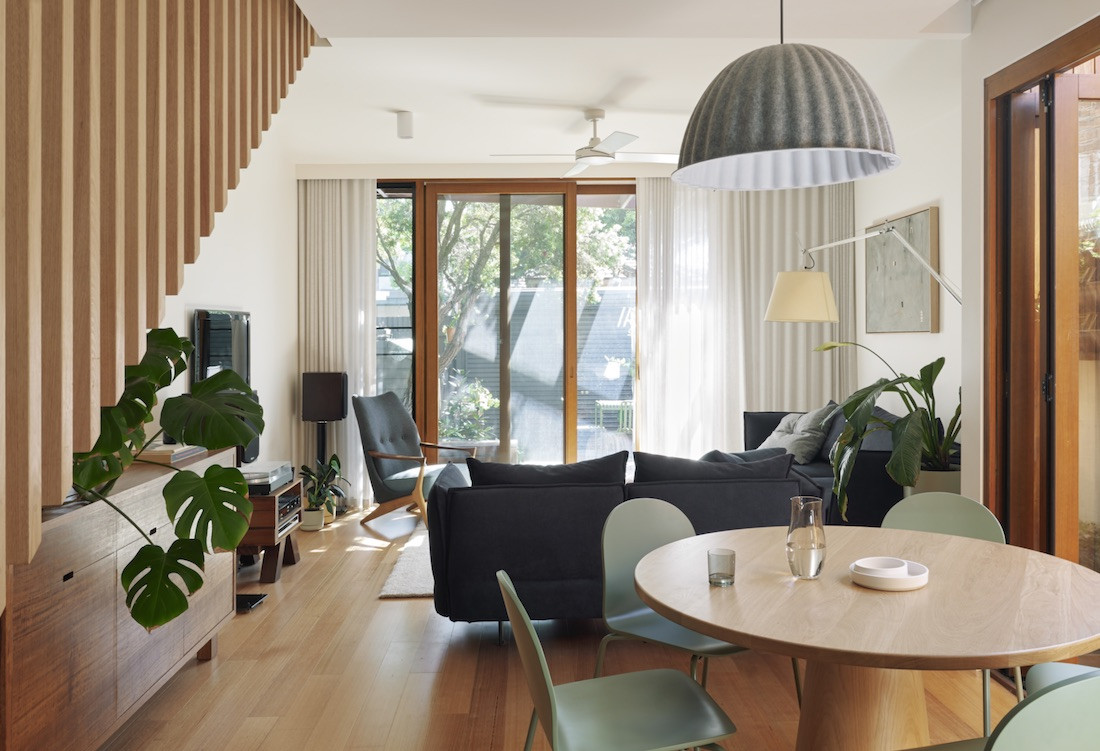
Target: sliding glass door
pixel 501 292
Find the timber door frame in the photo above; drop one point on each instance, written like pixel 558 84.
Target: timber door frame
pixel 1060 526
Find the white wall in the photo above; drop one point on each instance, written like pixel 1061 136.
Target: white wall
pixel 250 262
pixel 918 86
pixel 1004 31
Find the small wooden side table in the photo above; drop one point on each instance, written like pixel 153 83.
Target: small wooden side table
pixel 275 518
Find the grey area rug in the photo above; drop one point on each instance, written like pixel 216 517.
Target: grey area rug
pixel 412 573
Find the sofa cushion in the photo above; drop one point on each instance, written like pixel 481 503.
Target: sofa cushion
pixel 659 468
pixel 740 457
pixel 800 434
pixel 610 468
pixel 713 505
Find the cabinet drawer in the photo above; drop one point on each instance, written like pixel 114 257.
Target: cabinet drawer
pixel 63 643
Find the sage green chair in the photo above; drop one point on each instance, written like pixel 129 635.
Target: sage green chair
pixel 1061 717
pixel 1048 673
pixel 633 529
pixel 650 710
pixel 952 514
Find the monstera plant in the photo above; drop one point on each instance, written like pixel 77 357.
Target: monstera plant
pixel 209 512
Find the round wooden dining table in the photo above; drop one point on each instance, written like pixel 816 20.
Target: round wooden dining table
pixel 986 605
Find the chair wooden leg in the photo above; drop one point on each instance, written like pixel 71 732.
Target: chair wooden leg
pixel 797 680
pixel 384 508
pixel 1019 675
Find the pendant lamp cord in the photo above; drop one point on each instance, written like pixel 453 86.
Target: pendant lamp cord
pixel 781 21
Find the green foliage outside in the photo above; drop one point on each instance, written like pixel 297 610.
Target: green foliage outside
pixel 462 414
pixel 469 233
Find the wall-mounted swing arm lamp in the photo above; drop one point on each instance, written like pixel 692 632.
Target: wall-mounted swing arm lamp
pixel 807 296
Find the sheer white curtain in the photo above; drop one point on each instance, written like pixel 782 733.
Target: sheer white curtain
pixel 706 264
pixel 336 308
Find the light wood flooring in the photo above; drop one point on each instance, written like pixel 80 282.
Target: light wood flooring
pixel 324 664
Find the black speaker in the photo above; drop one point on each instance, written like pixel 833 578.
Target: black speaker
pixel 248 454
pixel 324 397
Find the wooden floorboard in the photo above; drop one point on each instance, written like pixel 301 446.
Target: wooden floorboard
pixel 324 664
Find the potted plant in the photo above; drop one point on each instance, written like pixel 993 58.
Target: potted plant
pixel 920 442
pixel 210 513
pixel 322 488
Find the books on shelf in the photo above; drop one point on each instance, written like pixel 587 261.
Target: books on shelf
pixel 171 453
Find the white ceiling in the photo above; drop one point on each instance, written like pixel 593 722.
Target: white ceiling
pixel 486 77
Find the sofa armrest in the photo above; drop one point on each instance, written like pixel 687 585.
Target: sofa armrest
pixel 547 537
pixel 760 425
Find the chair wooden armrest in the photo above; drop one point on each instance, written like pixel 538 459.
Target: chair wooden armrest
pixel 471 450
pixel 380 455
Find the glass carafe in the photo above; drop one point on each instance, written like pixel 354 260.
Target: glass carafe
pixel 806 537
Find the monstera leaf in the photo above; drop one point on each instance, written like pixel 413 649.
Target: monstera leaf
pixel 214 509
pixel 113 452
pixel 218 413
pixel 152 595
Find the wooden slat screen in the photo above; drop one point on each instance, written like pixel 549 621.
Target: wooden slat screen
pixel 125 125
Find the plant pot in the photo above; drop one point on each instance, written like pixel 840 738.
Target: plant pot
pixel 313 519
pixel 931 480
pixel 329 517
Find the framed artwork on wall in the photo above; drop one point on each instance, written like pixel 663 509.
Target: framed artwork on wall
pixel 901 295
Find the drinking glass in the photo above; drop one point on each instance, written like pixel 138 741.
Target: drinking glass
pixel 806 537
pixel 721 565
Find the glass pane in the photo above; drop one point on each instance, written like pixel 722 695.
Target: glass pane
pixel 394 295
pixel 1089 367
pixel 501 302
pixel 606 295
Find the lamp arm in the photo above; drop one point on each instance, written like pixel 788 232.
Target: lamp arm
pixel 947 285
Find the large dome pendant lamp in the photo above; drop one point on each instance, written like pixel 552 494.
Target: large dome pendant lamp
pixel 785 116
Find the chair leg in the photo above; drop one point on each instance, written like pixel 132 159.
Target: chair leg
pixel 531 731
pixel 601 652
pixel 985 704
pixel 1019 675
pixel 386 507
pixel 693 668
pixel 706 667
pixel 797 680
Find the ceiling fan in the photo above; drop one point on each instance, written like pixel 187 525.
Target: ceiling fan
pixel 606 150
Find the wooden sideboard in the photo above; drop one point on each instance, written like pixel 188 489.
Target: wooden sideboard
pixel 74 666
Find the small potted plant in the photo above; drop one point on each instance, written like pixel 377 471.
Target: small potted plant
pixel 322 488
pixel 920 441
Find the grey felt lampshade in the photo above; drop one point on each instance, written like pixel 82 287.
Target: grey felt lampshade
pixel 785 116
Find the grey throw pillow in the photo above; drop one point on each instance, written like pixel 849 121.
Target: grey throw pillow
pixel 800 434
pixel 610 468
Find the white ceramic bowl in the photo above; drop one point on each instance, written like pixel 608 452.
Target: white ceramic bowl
pixel 882 566
pixel 916 576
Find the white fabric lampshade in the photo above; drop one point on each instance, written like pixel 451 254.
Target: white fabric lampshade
pixel 802 297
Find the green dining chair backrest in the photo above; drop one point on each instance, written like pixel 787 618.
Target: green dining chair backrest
pixel 530 655
pixel 1062 717
pixel 633 529
pixel 946 513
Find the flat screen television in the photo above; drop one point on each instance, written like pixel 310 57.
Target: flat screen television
pixel 222 342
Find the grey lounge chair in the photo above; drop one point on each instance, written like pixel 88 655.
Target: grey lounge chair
pixel 649 710
pixel 399 473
